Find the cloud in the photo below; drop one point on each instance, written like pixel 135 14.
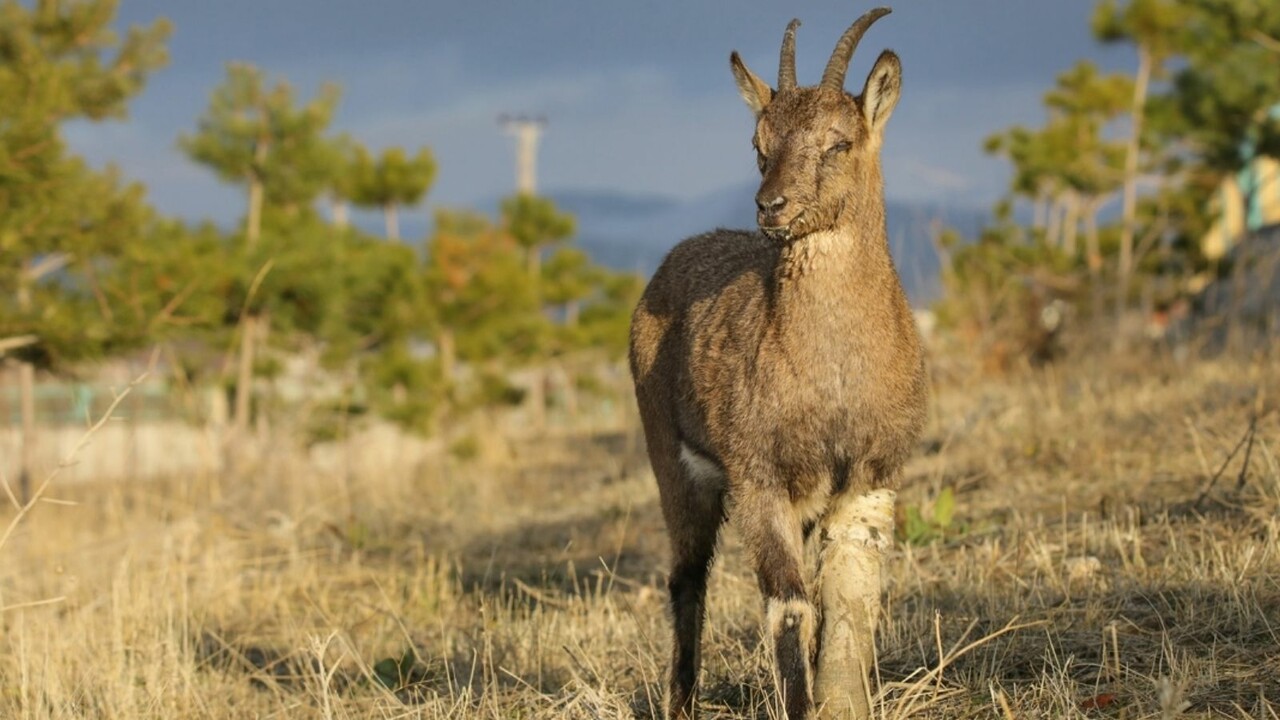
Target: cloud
pixel 933 145
pixel 634 131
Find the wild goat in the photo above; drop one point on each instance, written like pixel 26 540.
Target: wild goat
pixel 781 383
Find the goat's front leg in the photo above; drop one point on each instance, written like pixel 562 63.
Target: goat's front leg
pixel 855 533
pixel 773 538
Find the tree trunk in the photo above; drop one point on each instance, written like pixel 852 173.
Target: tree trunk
pixel 448 355
pixel 537 400
pixel 1130 202
pixel 244 378
pixel 944 255
pixel 1092 246
pixel 341 213
pixel 27 390
pixel 533 260
pixel 253 222
pixel 1039 209
pixel 1093 252
pixel 1071 222
pixel 855 534
pixel 391 215
pixel 1055 222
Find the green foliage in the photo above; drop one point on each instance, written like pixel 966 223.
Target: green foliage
pixel 255 133
pixel 482 293
pixel 605 321
pixel 1222 99
pixel 386 182
pixel 1071 153
pixel 567 276
pixel 465 448
pixel 332 420
pixel 404 389
pixel 91 270
pixel 1221 109
pixel 534 222
pixel 393 178
pixel 61 223
pixel 918 527
pixel 54 67
pixel 397 673
pixel 1159 26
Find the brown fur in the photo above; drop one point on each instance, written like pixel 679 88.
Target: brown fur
pixel 788 361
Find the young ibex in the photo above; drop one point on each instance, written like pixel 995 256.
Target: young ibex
pixel 781 383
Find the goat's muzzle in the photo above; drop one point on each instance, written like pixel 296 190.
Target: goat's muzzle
pixel 782 229
pixel 780 233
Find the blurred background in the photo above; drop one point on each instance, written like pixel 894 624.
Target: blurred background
pixel 313 321
pixel 329 213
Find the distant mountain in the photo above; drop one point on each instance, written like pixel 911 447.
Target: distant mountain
pixel 635 233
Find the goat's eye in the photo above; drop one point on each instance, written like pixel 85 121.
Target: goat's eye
pixel 838 148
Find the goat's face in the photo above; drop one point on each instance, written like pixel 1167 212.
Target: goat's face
pixel 817 147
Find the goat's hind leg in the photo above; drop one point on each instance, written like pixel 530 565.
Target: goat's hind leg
pixel 693 506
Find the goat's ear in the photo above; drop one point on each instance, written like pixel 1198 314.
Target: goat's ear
pixel 754 91
pixel 881 92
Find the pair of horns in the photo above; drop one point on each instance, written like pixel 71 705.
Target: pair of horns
pixel 833 76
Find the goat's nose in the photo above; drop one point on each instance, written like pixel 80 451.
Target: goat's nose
pixel 770 206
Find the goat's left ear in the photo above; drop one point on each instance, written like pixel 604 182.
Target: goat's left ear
pixel 881 92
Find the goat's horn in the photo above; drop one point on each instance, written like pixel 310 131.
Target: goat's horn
pixel 787 63
pixel 833 76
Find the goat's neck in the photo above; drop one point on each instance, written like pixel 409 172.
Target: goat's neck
pixel 831 267
pixel 832 291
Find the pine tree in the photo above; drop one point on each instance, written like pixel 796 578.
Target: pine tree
pixel 535 223
pixel 1084 103
pixel 389 182
pixel 1069 168
pixel 257 136
pixel 1153 26
pixel 1223 99
pixel 61 61
pixel 567 279
pixel 485 299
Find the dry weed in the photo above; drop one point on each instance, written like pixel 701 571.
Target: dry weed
pixel 1094 569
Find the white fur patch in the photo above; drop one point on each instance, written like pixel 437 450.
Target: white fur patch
pixel 783 614
pixel 701 468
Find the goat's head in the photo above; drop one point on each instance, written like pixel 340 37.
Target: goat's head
pixel 818 147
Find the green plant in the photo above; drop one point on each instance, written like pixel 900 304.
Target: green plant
pixel 466 447
pixel 395 673
pixel 915 527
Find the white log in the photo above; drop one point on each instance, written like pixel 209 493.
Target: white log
pixel 855 534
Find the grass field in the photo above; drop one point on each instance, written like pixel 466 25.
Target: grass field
pixel 1103 559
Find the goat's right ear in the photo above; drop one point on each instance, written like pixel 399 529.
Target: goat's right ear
pixel 754 91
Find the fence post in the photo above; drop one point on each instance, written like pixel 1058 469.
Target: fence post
pixel 27 385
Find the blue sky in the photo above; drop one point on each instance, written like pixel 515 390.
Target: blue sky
pixel 638 96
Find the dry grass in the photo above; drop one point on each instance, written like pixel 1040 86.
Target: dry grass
pixel 1081 577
